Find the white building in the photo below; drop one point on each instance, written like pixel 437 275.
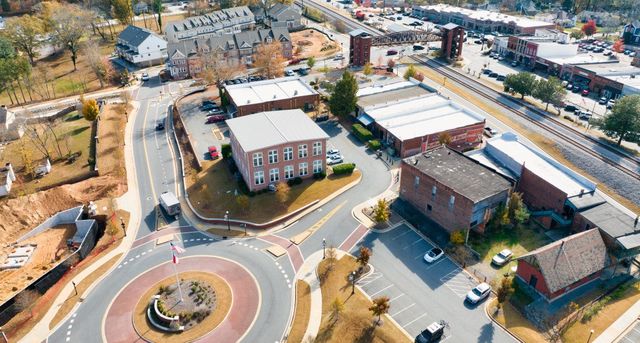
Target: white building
pixel 7 177
pixel 10 129
pixel 141 47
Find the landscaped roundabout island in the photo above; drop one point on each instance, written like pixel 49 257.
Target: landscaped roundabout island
pixel 162 314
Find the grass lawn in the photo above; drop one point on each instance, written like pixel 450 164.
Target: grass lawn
pixel 303 311
pixel 212 192
pixel 520 240
pixel 73 134
pixel 355 323
pixel 518 325
pixel 579 331
pixel 545 144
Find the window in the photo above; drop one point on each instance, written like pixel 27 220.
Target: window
pixel 273 156
pixel 274 175
pixel 288 172
pixel 257 159
pixel 288 153
pixel 452 201
pixel 416 181
pixel 303 169
pixel 317 148
pixel 433 192
pixel 258 177
pixel 302 151
pixel 429 208
pixel 317 166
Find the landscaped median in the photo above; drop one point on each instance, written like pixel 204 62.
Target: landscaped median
pixel 214 190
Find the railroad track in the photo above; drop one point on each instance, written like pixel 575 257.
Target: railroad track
pixel 492 95
pixel 332 13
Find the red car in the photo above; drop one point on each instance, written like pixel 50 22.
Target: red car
pixel 213 152
pixel 585 92
pixel 214 119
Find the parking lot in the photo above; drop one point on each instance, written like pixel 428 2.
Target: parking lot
pixel 422 293
pixel 202 135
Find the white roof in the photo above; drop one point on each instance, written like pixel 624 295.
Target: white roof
pixel 383 88
pixel 265 129
pixel 581 58
pixel 512 153
pixel 416 117
pixel 268 90
pixel 485 15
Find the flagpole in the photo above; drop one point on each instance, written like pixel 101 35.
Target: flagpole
pixel 175 270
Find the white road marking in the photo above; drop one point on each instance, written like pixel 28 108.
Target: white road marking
pixel 404 309
pixel 68 339
pixel 434 264
pixel 413 321
pixel 71 321
pixel 391 285
pixel 390 301
pixel 143 253
pixel 137 256
pixel 417 241
pixel 400 235
pixel 69 327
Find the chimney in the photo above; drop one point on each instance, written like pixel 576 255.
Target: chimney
pixel 635 222
pixel 295 92
pixel 581 193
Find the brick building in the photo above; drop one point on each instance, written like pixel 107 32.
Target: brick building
pixel 411 120
pixel 271 95
pixel 453 190
pixel 272 147
pixel 562 266
pixel 530 50
pixel 359 47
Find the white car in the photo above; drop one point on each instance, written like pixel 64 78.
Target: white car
pixel 433 255
pixel 334 159
pixel 502 257
pixel 478 293
pixel 333 152
pixel 289 73
pixel 145 77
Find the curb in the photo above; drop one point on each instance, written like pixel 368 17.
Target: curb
pixel 486 312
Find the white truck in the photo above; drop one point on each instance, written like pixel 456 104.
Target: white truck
pixel 170 203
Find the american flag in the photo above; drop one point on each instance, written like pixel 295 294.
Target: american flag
pixel 175 250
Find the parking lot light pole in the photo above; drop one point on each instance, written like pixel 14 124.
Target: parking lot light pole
pixel 590 334
pixel 124 227
pixel 324 246
pixel 226 217
pixel 353 282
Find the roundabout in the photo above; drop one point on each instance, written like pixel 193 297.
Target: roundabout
pixel 224 292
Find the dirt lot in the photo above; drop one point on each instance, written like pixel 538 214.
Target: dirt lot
pixel 312 43
pixel 50 249
pixel 71 135
pixel 21 214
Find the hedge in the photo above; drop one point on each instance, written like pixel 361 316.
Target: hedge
pixel 362 133
pixel 374 144
pixel 225 149
pixel 344 168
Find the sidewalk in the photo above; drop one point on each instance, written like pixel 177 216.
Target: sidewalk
pixel 620 326
pixel 129 200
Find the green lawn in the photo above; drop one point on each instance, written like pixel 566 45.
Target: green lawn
pixel 520 240
pixel 73 134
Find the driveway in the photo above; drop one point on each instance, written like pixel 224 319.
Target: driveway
pixel 202 135
pixel 420 293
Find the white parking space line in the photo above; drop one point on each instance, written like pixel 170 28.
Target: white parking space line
pixel 458 282
pixel 418 241
pixel 391 300
pixel 434 264
pixel 413 321
pixel 402 234
pixel 404 309
pixel 369 279
pixel 384 289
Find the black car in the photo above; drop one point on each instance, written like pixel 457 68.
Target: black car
pixel 570 108
pixel 433 333
pixel 160 125
pixel 487 71
pixel 209 107
pixel 501 78
pixel 494 74
pixel 418 47
pixel 576 89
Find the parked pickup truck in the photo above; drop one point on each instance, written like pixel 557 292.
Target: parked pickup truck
pixel 170 203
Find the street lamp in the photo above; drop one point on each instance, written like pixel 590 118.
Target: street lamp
pixel 353 282
pixel 226 217
pixel 590 334
pixel 324 245
pixel 124 227
pixel 4 336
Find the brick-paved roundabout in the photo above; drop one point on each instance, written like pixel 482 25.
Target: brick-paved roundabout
pixel 118 323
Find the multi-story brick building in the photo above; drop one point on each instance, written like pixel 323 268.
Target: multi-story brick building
pixel 272 147
pixel 226 21
pixel 271 95
pixel 411 119
pixel 479 20
pixel 188 57
pixel 359 47
pixel 453 190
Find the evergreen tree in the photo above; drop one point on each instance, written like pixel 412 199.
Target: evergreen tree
pixel 343 99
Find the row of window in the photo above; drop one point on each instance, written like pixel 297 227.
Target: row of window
pixel 274 174
pixel 434 191
pixel 287 154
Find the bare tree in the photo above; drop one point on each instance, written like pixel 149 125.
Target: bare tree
pixel 100 66
pixel 69 28
pixel 268 60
